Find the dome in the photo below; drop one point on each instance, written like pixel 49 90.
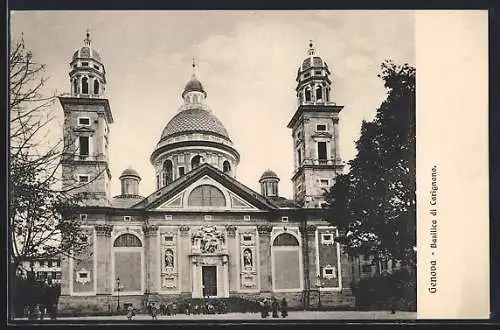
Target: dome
pixel 269 175
pixel 194 85
pixel 194 120
pixel 130 172
pixel 315 61
pixel 87 52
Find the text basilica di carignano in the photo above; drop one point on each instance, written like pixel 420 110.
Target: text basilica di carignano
pixel 202 233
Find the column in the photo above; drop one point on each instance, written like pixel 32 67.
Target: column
pixel 308 260
pixel 265 270
pixel 232 246
pixel 103 248
pixel 152 237
pixel 184 265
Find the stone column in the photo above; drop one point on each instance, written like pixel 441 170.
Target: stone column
pixel 103 248
pixel 232 246
pixel 309 260
pixel 265 269
pixel 152 237
pixel 184 265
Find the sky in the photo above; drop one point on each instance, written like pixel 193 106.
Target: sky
pixel 246 60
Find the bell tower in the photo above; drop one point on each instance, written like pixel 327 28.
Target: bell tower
pixel 315 132
pixel 87 115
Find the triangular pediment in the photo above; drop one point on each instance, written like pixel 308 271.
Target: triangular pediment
pixel 206 189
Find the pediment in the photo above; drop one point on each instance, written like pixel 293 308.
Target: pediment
pixel 215 197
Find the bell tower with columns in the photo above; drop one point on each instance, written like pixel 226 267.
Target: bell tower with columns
pixel 315 132
pixel 87 116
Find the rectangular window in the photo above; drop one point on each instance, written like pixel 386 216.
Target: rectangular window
pixel 327 238
pixel 321 127
pixel 322 150
pixel 246 217
pixel 299 157
pixel 84 121
pixel 384 265
pixel 324 182
pixel 85 64
pixel 208 217
pixel 83 275
pixel 169 239
pixel 247 238
pixel 127 218
pixel 58 263
pixel 317 73
pixel 307 75
pixel 83 178
pixel 84 145
pixel 83 217
pixel 168 217
pixel 96 67
pixel 181 171
pixel 284 219
pixel 158 181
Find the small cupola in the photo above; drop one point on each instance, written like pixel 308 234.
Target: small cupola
pixel 87 73
pixel 269 184
pixel 130 182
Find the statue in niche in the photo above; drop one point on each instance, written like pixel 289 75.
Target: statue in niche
pixel 247 258
pixel 169 259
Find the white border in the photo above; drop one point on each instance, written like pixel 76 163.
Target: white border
pixel 296 233
pixel 119 231
pixel 339 262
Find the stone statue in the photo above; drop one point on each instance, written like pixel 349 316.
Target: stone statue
pixel 247 258
pixel 169 258
pixel 208 239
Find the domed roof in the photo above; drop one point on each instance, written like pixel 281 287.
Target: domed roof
pixel 130 172
pixel 193 85
pixel 268 175
pixel 194 120
pixel 87 52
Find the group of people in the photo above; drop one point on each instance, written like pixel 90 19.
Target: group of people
pixel 274 307
pixel 207 307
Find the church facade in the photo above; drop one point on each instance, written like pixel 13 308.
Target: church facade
pixel 202 233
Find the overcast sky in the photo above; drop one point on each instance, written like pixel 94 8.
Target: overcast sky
pixel 247 62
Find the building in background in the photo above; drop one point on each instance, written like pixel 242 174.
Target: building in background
pixel 202 233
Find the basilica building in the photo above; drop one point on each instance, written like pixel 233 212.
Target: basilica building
pixel 202 233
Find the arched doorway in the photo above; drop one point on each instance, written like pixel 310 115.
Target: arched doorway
pixel 128 255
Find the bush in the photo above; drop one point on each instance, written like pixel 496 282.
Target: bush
pixel 387 291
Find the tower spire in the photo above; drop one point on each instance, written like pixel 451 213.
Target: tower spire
pixel 87 38
pixel 311 50
pixel 194 66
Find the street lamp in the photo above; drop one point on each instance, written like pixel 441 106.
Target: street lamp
pixel 118 288
pixel 319 285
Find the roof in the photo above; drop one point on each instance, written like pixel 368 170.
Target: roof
pixel 269 174
pixel 194 85
pixel 87 52
pixel 126 201
pixel 282 202
pixel 194 120
pixel 163 194
pixel 130 172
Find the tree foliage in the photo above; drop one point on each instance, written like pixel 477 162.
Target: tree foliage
pixel 40 221
pixel 374 203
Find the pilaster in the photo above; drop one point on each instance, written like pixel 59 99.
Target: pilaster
pixel 103 248
pixel 152 237
pixel 232 246
pixel 185 266
pixel 265 257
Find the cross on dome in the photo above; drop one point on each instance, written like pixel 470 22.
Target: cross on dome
pixel 87 39
pixel 311 50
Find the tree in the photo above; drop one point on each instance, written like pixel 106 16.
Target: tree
pixel 41 211
pixel 374 204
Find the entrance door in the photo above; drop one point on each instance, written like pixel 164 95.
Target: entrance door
pixel 209 278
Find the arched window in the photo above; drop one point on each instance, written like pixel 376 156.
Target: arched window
pixel 85 85
pixel 75 86
pixel 127 240
pixel 226 167
pixel 319 93
pixel 285 239
pixel 206 195
pixel 307 94
pixel 196 161
pixel 96 86
pixel 168 172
